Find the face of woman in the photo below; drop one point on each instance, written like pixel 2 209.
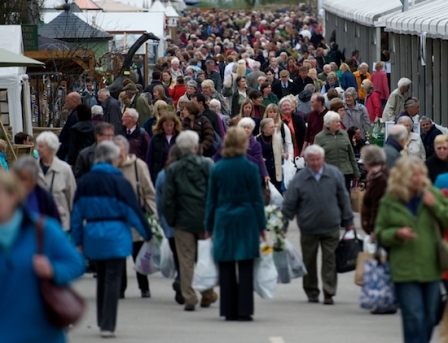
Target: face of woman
pixel 407 125
pixel 291 63
pixel 156 94
pixel 166 77
pixel 27 181
pixel 417 181
pixel 349 100
pixel 191 90
pixel 123 153
pixel 357 134
pixel 248 129
pixel 335 126
pixel 331 80
pixel 312 75
pixel 242 83
pixel 272 114
pixel 258 101
pixel 182 113
pixel 207 91
pixel 341 112
pixel 247 110
pixel 267 90
pixel 168 127
pixel 43 150
pixel 286 108
pixel 269 129
pixel 442 151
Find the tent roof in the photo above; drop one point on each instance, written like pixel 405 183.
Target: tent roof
pixel 157 6
pixel 12 59
pixel 170 11
pixel 117 6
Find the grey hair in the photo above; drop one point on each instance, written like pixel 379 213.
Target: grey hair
pixel 330 117
pixel 208 83
pixel 285 99
pixel 398 132
pixel 147 96
pixel 351 91
pixel 425 118
pixel 310 87
pixel 410 103
pixel 27 164
pixel 120 139
pixel 215 102
pixel 403 119
pixel 363 64
pixel 209 62
pixel 246 122
pixel 106 152
pixel 175 60
pixel 373 155
pixel 105 91
pixel 256 65
pixel 264 122
pixel 50 139
pixel 261 78
pixel 234 67
pixel 132 112
pixel 314 149
pixel 96 109
pixel 187 141
pixel 404 82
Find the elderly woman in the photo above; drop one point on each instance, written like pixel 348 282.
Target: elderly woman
pixel 347 77
pixel 22 268
pixel 97 115
pixel 318 84
pixel 200 124
pixel 380 82
pixel 295 123
pixel 192 88
pixel 414 145
pixel 355 114
pixel 208 89
pixel 411 108
pixel 241 94
pixel 272 151
pixel 332 82
pixel 281 130
pixel 56 175
pixel 361 74
pixel 372 101
pixel 337 105
pixel 268 96
pixel 236 237
pixel 261 79
pixel 338 149
pixel 215 105
pixel 104 212
pixel 405 224
pixel 395 103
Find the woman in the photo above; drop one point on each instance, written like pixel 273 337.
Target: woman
pixel 372 101
pixel 174 154
pixel 200 124
pixel 318 84
pixel 295 123
pixel 56 175
pixel 292 67
pixel 354 134
pixel 272 151
pixel 159 107
pixel 281 130
pixel 337 105
pixel 268 96
pixel 414 146
pixel 411 109
pixel 208 89
pixel 338 149
pixel 192 87
pixel 380 82
pixel 81 134
pixel 332 82
pixel 168 81
pixel 165 132
pixel 234 190
pixel 159 94
pixel 347 77
pixel 178 90
pixel 215 105
pixel 97 114
pixel 22 267
pixel 257 100
pixel 355 114
pixel 241 94
pixel 405 225
pixel 136 172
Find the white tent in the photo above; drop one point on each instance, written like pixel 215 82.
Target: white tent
pixel 13 79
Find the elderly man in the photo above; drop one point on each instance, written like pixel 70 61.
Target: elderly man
pixel 398 136
pixel 315 120
pixel 183 205
pixel 395 104
pixel 317 196
pixel 111 109
pixel 428 135
pixel 71 102
pixel 211 74
pixel 136 135
pixel 438 163
pixel 252 78
pixel 138 103
pixel 326 70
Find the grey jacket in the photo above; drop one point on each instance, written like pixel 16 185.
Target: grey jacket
pixel 321 206
pixel 392 155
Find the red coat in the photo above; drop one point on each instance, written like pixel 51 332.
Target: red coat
pixel 374 105
pixel 176 92
pixel 381 84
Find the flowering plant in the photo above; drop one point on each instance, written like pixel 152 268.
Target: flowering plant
pixel 266 249
pixel 275 225
pixel 157 230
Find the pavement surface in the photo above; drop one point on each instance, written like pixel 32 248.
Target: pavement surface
pixel 288 318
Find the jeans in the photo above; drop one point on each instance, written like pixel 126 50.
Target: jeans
pixel 419 303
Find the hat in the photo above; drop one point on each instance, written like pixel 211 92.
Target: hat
pixel 131 88
pixel 284 73
pixel 192 83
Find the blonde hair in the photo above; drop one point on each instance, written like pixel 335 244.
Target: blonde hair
pixel 241 70
pixel 401 177
pixel 440 139
pixel 344 67
pixel 3 145
pixel 379 66
pixel 10 183
pixel 159 106
pixel 277 120
pixel 208 83
pixel 235 143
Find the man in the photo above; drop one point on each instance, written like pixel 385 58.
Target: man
pixel 111 109
pixel 361 74
pixel 355 57
pixel 252 78
pixel 285 87
pixel 211 74
pixel 317 196
pixel 320 58
pixel 273 64
pixel 398 136
pixel 183 205
pixel 138 138
pixel 438 163
pixel 326 70
pixel 199 99
pixel 88 95
pixel 395 103
pixel 71 102
pixel 270 55
pixel 315 119
pixel 84 162
pixel 270 76
pixel 156 80
pixel 138 103
pixel 317 38
pixel 303 79
pixel 428 135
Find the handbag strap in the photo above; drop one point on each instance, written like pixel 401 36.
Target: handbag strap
pixel 147 207
pixel 40 235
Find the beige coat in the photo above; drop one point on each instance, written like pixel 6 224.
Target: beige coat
pixel 63 188
pixel 146 189
pixel 277 148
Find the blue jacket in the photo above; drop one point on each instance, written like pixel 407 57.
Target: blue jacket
pixel 348 80
pixel 168 230
pixel 107 204
pixel 20 299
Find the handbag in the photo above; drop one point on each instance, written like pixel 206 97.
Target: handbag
pixel 266 194
pixel 347 253
pixel 442 248
pixel 63 306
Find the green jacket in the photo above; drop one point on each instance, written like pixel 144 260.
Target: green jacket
pixel 185 193
pixel 338 151
pixel 414 260
pixel 142 107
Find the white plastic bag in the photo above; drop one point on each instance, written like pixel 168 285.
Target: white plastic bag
pixel 297 267
pixel 289 170
pixel 368 245
pixel 300 162
pixel 205 272
pixel 167 266
pixel 144 263
pixel 265 276
pixel 276 197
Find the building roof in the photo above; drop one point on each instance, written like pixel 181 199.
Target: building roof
pixel 87 5
pixel 170 12
pixel 117 6
pixel 157 6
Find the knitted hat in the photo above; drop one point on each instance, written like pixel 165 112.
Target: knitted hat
pixel 192 83
pixel 131 88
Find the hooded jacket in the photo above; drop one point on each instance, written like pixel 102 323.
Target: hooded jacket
pixel 81 137
pixel 304 102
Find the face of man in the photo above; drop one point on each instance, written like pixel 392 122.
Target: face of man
pixel 274 62
pixel 102 96
pixel 315 105
pixel 303 74
pixel 442 151
pixel 315 162
pixel 210 67
pixel 200 105
pixel 107 135
pixel 270 76
pixel 426 125
pixel 327 69
pixel 127 120
pixel 89 86
pixel 71 101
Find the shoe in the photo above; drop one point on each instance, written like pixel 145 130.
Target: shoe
pixel 189 308
pixel 206 302
pixel 245 318
pixel 146 294
pixel 231 319
pixel 328 300
pixel 389 311
pixel 178 297
pixel 121 296
pixel 313 299
pixel 107 334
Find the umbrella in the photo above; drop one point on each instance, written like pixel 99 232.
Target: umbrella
pixel 11 59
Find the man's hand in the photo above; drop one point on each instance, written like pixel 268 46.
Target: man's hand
pixel 406 234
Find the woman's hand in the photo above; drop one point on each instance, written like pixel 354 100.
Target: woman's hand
pixel 406 234
pixel 208 235
pixel 286 156
pixel 429 199
pixel 43 267
pixel 267 179
pixel 263 235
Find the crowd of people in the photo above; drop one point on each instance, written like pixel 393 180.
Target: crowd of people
pixel 237 96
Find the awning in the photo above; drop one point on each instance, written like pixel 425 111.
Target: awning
pixel 11 59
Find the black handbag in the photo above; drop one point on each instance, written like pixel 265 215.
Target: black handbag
pixel 347 253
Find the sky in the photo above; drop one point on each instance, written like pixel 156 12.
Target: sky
pixel 53 3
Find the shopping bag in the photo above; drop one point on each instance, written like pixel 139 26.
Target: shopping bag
pixel 359 271
pixel 368 245
pixel 289 170
pixel 265 275
pixel 205 271
pixel 356 198
pixel 347 252
pixel 167 266
pixel 282 266
pixel 297 268
pixel 378 291
pixel 144 263
pixel 276 198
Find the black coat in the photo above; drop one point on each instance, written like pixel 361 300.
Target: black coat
pixel 300 83
pixel 436 166
pixel 84 162
pixel 64 136
pixel 213 117
pixel 112 113
pixel 277 89
pixel 151 86
pixel 299 128
pixel 428 140
pixel 81 137
pixel 158 154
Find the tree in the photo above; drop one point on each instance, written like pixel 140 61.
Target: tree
pixel 20 12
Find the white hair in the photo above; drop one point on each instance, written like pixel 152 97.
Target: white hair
pixel 246 122
pixel 314 150
pixel 398 132
pixel 132 112
pixel 175 60
pixel 50 139
pixel 330 117
pixel 256 65
pixel 187 141
pixel 105 91
pixel 404 82
pixel 363 64
pixel 243 62
pixel 106 152
pixel 351 91
pixel 405 119
pixel 215 102
pixel 96 109
pixel 285 99
pixel 123 141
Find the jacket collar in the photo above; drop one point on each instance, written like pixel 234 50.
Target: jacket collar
pixel 106 168
pixel 394 144
pixel 310 174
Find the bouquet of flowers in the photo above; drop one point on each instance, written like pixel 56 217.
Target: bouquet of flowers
pixel 275 225
pixel 157 230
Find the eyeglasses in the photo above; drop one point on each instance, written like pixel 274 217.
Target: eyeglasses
pixel 441 148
